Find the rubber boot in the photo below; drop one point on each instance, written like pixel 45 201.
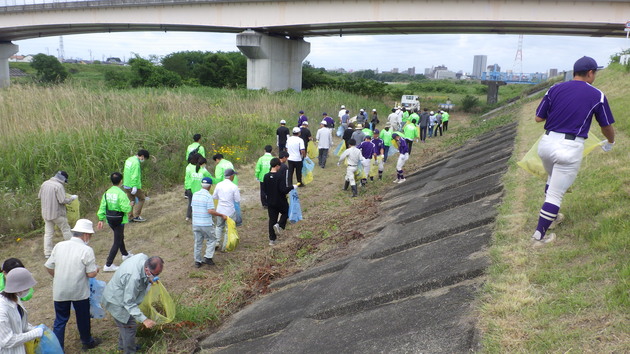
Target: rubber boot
pixel 345 185
pixel 354 191
pixel 380 175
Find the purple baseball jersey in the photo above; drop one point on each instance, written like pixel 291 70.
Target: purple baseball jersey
pixel 367 149
pixel 402 146
pixel 569 107
pixel 378 145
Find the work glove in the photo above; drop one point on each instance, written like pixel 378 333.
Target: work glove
pixel 134 190
pixel 295 186
pixel 74 197
pixel 42 327
pixel 607 146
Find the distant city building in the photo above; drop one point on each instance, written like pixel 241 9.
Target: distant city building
pixel 494 67
pixel 394 71
pixel 553 72
pixel 444 74
pixel 21 58
pixel 479 65
pixel 411 71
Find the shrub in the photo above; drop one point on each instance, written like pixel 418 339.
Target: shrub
pixel 469 103
pixel 49 69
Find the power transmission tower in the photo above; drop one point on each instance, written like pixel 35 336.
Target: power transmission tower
pixel 518 60
pixel 61 52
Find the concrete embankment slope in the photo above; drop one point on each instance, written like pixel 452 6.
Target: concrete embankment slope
pixel 410 288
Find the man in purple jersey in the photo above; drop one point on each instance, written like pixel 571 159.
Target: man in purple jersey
pixel 403 149
pixel 567 110
pixel 368 152
pixel 379 150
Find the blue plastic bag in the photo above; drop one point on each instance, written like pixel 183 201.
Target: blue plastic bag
pixel 295 210
pixel 238 217
pixel 48 344
pixel 392 151
pixel 96 293
pixel 340 148
pixel 308 165
pixel 340 131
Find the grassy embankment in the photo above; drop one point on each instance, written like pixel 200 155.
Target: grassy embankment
pixel 572 295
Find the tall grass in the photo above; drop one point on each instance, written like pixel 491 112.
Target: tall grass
pixel 89 132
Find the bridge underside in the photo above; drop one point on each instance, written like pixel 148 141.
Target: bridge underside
pixel 317 30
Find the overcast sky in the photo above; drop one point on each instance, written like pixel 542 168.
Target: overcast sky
pixel 383 52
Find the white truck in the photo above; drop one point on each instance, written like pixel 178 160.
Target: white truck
pixel 410 102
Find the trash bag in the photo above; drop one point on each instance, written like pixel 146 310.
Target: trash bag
pixel 238 217
pixel 392 150
pixel 340 131
pixel 374 169
pixel 360 172
pixel 72 210
pixel 158 305
pixel 295 210
pixel 340 148
pixel 312 150
pixel 307 171
pixel 48 343
pixel 532 163
pixel 96 293
pixel 232 235
pixel 31 345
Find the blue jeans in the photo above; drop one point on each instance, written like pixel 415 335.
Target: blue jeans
pixel 385 152
pixel 62 315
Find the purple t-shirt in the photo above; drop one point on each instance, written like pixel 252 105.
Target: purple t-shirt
pixel 303 118
pixel 367 149
pixel 568 107
pixel 329 121
pixel 378 145
pixel 402 146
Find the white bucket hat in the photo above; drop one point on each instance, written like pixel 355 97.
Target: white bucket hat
pixel 83 226
pixel 19 279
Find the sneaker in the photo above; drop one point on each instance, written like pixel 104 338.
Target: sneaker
pixel 111 268
pixel 558 221
pixel 402 180
pixel 129 255
pixel 548 238
pixel 300 184
pixel 198 264
pixel 396 180
pixel 187 219
pixel 94 344
pixel 138 219
pixel 272 242
pixel 277 229
pixel 208 261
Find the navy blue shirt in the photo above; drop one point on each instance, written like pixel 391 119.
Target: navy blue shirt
pixel 402 146
pixel 568 107
pixel 367 149
pixel 378 145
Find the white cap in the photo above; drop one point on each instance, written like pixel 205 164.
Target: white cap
pixel 432 112
pixel 83 226
pixel 296 130
pixel 283 122
pixel 362 110
pixel 342 106
pixel 323 122
pixel 305 122
pixel 374 110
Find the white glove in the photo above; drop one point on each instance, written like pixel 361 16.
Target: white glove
pixel 338 164
pixel 134 190
pixel 74 197
pixel 607 146
pixel 295 186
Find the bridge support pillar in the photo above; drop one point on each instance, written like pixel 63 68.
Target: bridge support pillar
pixel 493 90
pixel 273 63
pixel 7 49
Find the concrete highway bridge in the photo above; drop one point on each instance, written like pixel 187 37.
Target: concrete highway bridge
pixel 271 33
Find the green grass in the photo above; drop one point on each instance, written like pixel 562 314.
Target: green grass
pixel 572 295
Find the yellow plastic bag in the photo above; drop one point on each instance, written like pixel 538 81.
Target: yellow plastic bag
pixel 312 150
pixel 72 210
pixel 307 178
pixel 232 235
pixel 31 345
pixel 340 148
pixel 158 304
pixel 532 163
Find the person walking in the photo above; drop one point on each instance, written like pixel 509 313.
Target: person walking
pixel 392 119
pixel 132 183
pixel 402 158
pixel 344 119
pixel 374 120
pixel 353 157
pixel 305 134
pixel 71 264
pixel 438 124
pixel 114 207
pixel 424 123
pixel 330 123
pixel 14 327
pixel 276 191
pixel 226 193
pixel 124 293
pixel 410 132
pixel 386 135
pixel 262 168
pixel 190 169
pixel 362 117
pixel 202 226
pixel 221 166
pixel 379 153
pixel 368 152
pixel 342 111
pixel 567 110
pixel 297 152
pixel 283 156
pixel 432 123
pixel 445 117
pixel 324 142
pixel 358 135
pixel 282 134
pixel 195 147
pixel 53 199
pixel 347 134
pixel 301 119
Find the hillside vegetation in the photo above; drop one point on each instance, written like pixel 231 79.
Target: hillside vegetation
pixel 572 295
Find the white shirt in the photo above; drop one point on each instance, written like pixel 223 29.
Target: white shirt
pixel 353 154
pixel 392 118
pixel 14 330
pixel 324 138
pixel 341 113
pixel 71 260
pixel 294 145
pixel 227 193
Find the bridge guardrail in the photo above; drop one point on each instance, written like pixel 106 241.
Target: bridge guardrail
pixel 38 5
